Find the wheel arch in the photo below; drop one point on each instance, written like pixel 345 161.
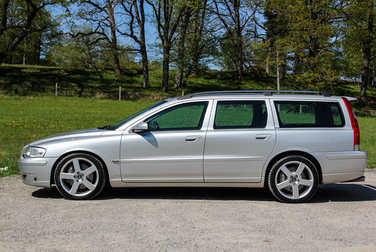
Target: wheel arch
pixel 52 179
pixel 290 153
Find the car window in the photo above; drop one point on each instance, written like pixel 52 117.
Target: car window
pixel 119 124
pixel 240 114
pixel 309 114
pixel 187 116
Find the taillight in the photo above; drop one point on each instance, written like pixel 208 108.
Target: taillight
pixel 354 123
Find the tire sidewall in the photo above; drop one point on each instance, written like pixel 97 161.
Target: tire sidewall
pixel 101 174
pixel 273 172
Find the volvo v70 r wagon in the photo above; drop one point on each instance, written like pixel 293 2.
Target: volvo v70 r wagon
pixel 287 141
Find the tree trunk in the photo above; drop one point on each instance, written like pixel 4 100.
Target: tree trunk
pixel 145 68
pixel 199 22
pixel 166 67
pixel 239 40
pixel 366 52
pixel 366 57
pixel 181 50
pixel 140 14
pixel 113 42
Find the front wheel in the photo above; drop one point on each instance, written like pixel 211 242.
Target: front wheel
pixel 293 179
pixel 80 176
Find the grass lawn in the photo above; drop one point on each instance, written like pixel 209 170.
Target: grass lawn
pixel 29 111
pixel 26 119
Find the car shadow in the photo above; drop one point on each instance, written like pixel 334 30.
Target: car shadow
pixel 326 193
pixel 344 192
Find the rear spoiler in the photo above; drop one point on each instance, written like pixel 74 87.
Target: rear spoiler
pixel 351 98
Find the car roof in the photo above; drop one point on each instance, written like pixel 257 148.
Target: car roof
pixel 258 93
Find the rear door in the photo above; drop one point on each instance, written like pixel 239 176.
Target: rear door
pixel 240 138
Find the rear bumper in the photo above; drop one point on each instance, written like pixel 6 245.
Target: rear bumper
pixel 342 166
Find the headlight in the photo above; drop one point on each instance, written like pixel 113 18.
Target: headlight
pixel 34 152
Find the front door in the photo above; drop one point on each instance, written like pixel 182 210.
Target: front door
pixel 172 149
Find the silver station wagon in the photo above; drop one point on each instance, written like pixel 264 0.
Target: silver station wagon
pixel 287 141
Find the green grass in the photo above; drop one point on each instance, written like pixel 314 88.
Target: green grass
pixel 367 127
pixel 26 119
pixel 29 111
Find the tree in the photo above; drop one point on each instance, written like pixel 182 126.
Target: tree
pixel 181 47
pixel 167 14
pixel 18 20
pixel 360 40
pixel 234 17
pixel 135 22
pixel 194 42
pixel 101 15
pixel 311 39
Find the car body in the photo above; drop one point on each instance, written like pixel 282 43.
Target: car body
pixel 286 141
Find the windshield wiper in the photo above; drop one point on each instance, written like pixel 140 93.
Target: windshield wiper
pixel 107 127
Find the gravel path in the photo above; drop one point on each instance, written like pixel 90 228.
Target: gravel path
pixel 340 217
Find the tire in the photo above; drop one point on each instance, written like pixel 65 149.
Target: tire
pixel 80 176
pixel 293 179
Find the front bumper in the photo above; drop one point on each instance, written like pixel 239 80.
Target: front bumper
pixel 36 171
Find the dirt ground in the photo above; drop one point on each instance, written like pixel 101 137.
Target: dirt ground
pixel 341 217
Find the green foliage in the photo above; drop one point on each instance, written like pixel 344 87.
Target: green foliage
pixel 29 19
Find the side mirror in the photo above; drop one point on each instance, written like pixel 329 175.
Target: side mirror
pixel 141 127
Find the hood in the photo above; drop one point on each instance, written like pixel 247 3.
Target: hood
pixel 68 136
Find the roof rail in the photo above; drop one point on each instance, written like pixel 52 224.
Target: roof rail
pixel 261 92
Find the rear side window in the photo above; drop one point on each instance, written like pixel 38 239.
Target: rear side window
pixel 309 114
pixel 240 114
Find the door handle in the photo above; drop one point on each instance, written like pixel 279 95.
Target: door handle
pixel 263 137
pixel 193 138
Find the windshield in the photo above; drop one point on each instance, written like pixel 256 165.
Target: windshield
pixel 119 124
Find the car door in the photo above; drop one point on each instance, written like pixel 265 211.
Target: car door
pixel 240 137
pixel 172 149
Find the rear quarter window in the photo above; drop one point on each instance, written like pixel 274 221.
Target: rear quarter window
pixel 309 114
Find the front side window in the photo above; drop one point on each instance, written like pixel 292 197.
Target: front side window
pixel 119 124
pixel 240 114
pixel 187 116
pixel 309 114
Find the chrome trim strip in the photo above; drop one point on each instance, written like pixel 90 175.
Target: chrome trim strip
pixel 30 162
pixel 233 158
pixel 161 160
pixel 346 155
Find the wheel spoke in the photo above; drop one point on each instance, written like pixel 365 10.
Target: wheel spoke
pixel 74 188
pixel 89 185
pixel 283 185
pixel 66 176
pixel 90 170
pixel 295 192
pixel 300 169
pixel 306 182
pixel 76 165
pixel 286 171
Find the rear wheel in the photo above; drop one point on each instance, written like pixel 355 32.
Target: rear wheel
pixel 80 176
pixel 293 179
